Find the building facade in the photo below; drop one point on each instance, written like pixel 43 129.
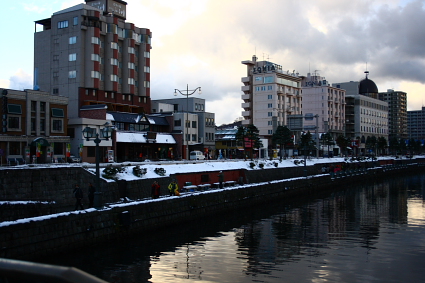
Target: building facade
pixel 365 114
pixel 198 131
pixel 90 54
pixel 34 127
pixel 397 113
pixel 328 102
pixel 269 96
pixel 416 124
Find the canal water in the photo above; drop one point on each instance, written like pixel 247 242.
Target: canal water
pixel 366 233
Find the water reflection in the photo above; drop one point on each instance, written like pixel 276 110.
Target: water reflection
pixel 358 234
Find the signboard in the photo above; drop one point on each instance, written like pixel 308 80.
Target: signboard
pixel 308 116
pixel 116 7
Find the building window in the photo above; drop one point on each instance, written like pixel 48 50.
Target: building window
pixel 177 123
pixel 269 114
pixel 57 125
pixel 114 45
pixel 270 105
pixel 194 124
pixel 75 21
pixel 194 138
pixel 55 91
pixel 131 65
pixel 14 109
pixel 42 125
pixel 33 106
pixel 73 57
pixel 114 61
pixel 147 54
pixel 119 125
pixel 72 74
pixel 146 84
pixel 130 81
pixel 270 96
pixel 72 40
pixel 147 69
pixel 62 24
pixel 114 78
pixel 270 123
pixel 95 57
pixel 131 50
pixel 58 113
pixel 55 57
pixel 95 40
pixel 270 132
pixel 95 75
pixel 32 124
pixel 13 123
pixel 269 87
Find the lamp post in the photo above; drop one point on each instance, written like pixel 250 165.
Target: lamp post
pixel 105 134
pixel 187 93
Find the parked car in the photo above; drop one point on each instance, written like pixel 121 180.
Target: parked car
pixel 196 155
pixel 74 159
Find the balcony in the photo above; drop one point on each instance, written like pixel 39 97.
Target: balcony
pixel 246 113
pixel 245 97
pixel 245 88
pixel 245 80
pixel 246 105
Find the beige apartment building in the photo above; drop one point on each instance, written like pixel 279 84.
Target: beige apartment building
pixel 269 96
pixel 325 101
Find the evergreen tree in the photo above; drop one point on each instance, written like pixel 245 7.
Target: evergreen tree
pixel 394 145
pixel 306 141
pixel 282 136
pixel 382 144
pixel 327 139
pixel 343 143
pixel 240 138
pixel 252 133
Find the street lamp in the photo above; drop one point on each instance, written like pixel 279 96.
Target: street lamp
pixel 105 134
pixel 188 92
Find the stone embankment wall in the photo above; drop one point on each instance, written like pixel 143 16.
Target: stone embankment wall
pixel 30 239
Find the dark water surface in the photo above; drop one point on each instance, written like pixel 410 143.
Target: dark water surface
pixel 369 233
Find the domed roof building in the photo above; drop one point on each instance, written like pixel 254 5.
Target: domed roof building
pixel 368 87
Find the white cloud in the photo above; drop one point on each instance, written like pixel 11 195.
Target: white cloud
pixel 4 83
pixel 31 7
pixel 21 80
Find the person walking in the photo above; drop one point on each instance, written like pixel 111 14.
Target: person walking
pixel 173 188
pixel 78 193
pixel 155 189
pixel 92 190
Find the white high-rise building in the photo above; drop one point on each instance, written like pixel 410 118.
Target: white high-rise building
pixel 269 96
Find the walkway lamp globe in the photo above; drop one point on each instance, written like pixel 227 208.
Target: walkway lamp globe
pixel 187 92
pixel 91 134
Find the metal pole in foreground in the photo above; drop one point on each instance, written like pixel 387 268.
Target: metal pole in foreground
pixel 97 202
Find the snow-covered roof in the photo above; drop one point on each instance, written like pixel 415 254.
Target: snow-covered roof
pixel 131 137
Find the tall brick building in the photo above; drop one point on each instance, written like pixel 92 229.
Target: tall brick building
pixel 91 55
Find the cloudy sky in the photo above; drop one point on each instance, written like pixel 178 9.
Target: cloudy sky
pixel 202 43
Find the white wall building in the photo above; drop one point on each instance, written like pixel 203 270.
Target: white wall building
pixel 269 96
pixel 319 98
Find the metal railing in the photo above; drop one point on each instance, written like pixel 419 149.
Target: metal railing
pixel 36 272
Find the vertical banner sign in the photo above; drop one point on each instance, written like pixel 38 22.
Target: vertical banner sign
pixel 38 150
pixel 68 150
pixel 81 150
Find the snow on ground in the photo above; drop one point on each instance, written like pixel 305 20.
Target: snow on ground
pixel 207 166
pixel 170 168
